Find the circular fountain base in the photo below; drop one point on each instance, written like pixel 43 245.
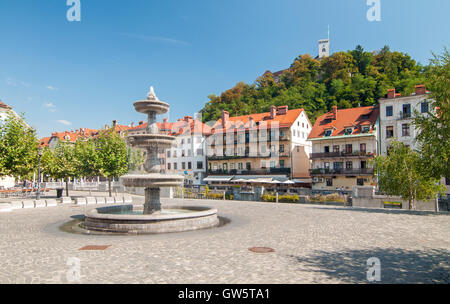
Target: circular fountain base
pixel 130 219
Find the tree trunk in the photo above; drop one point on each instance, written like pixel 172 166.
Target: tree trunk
pixel 67 187
pixel 109 186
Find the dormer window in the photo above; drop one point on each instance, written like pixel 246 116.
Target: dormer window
pixel 348 131
pixel 328 132
pixel 365 129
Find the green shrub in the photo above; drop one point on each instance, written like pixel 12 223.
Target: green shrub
pixel 393 203
pixel 268 198
pixel 281 198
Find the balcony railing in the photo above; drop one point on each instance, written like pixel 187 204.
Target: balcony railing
pixel 341 171
pixel 248 155
pixel 251 172
pixel 404 115
pixel 343 154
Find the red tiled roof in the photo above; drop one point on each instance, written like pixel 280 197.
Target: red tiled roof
pixel 355 117
pixel 4 105
pixel 44 142
pixel 180 127
pixel 243 122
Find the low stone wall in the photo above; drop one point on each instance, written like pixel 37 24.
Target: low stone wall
pixel 377 201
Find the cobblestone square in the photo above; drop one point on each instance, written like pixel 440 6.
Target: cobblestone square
pixel 312 244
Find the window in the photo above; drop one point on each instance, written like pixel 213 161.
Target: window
pixel 360 181
pixel 328 132
pixel 225 167
pixel 200 152
pixel 326 149
pixel 362 148
pixel 348 148
pixel 168 166
pixel 366 129
pixel 348 131
pixel 363 164
pixel 424 107
pixel 182 141
pixel 189 152
pixel 240 166
pixel 272 164
pixel 188 140
pixel 189 165
pixel 349 165
pixel 199 165
pixel 329 182
pixel 281 148
pixel 183 165
pixel 336 149
pixel 174 153
pixel 182 153
pixel 282 163
pixel 389 131
pixel 175 166
pixel 405 129
pixel 281 133
pixel 248 166
pixel 263 165
pixel 406 111
pixel 168 153
pixel 389 111
pixel 327 165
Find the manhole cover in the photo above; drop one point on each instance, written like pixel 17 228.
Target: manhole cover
pixel 261 249
pixel 95 247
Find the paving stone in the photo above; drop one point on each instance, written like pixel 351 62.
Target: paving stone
pixel 51 203
pixel 39 204
pixel 28 204
pixel 5 207
pixel 100 200
pixel 80 201
pixel 66 200
pixel 91 201
pixel 16 205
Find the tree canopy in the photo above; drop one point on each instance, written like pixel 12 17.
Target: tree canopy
pixel 346 79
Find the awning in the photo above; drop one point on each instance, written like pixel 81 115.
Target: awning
pixel 303 181
pixel 213 178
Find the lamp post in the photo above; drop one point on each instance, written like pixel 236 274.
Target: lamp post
pixel 38 194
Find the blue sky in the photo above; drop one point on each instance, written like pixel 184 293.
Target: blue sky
pixel 66 75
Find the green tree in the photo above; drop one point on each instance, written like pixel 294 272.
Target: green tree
pixel 18 147
pixel 60 163
pixel 400 173
pixel 112 155
pixel 135 159
pixel 434 128
pixel 86 157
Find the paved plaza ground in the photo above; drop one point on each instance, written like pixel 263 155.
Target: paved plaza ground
pixel 313 244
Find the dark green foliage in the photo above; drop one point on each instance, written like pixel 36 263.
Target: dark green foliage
pixel 346 79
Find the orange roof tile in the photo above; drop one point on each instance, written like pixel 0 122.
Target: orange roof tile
pixel 243 121
pixel 355 117
pixel 4 105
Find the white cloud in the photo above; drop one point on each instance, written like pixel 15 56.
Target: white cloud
pixel 50 106
pixel 51 88
pixel 157 39
pixel 64 122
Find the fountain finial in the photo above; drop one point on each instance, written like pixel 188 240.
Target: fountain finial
pixel 151 94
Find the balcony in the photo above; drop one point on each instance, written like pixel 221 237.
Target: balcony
pixel 268 171
pixel 404 115
pixel 342 154
pixel 341 171
pixel 247 155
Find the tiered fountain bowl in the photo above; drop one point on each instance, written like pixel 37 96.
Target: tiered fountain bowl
pixel 151 217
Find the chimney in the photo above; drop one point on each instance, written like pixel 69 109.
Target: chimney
pixel 187 118
pixel 421 89
pixel 132 124
pixel 165 120
pixel 391 93
pixel 273 112
pixel 141 122
pixel 225 117
pixel 335 112
pixel 250 122
pixel 114 123
pixel 283 110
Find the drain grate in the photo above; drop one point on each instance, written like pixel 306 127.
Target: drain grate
pixel 95 247
pixel 261 249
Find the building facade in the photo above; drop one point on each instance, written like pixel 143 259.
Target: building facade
pixel 265 144
pixel 396 117
pixel 343 144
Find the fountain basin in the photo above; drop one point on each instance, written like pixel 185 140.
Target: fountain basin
pixel 152 180
pixel 146 141
pixel 129 219
pixel 147 106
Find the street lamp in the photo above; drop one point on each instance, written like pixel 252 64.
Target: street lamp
pixel 38 194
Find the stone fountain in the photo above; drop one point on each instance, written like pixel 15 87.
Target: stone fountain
pixel 151 218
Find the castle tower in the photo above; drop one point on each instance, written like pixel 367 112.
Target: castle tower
pixel 324 46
